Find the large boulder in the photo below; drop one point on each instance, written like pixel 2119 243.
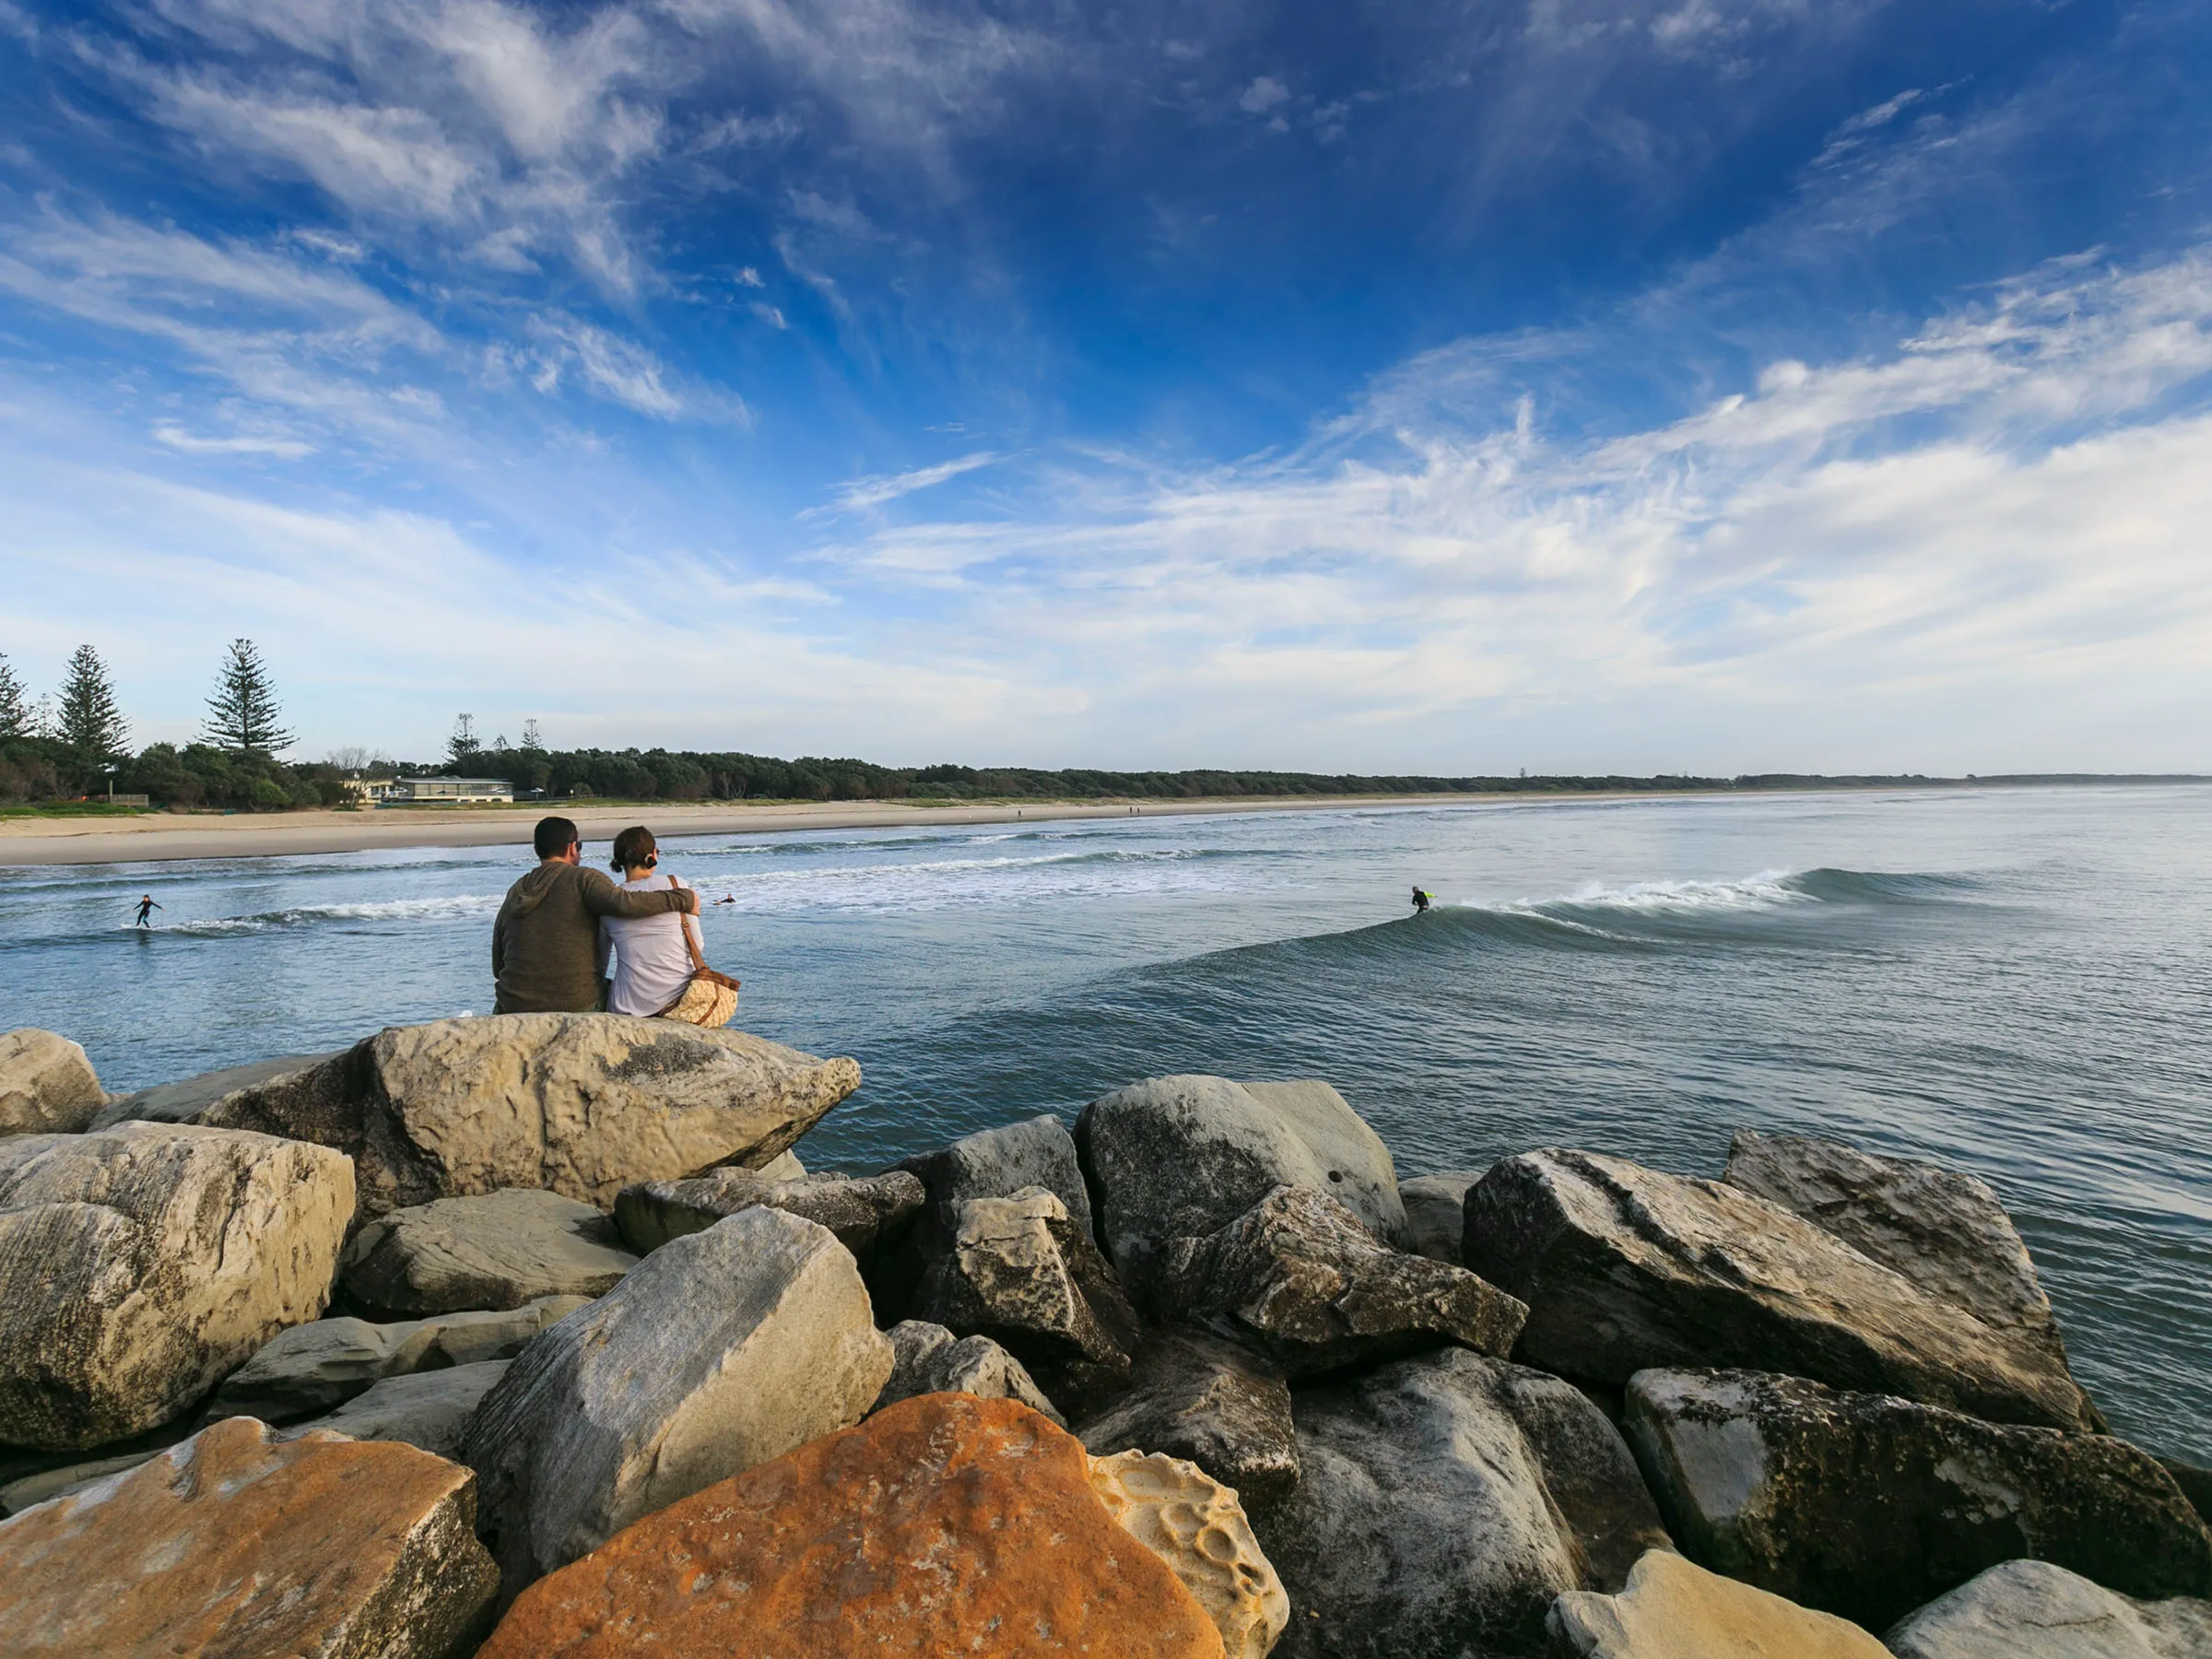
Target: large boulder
pixel 928 1359
pixel 1671 1609
pixel 1436 1219
pixel 1626 1268
pixel 583 1104
pixel 1300 1279
pixel 946 1524
pixel 235 1544
pixel 1177 1157
pixel 1019 1272
pixel 140 1265
pixel 2035 1610
pixel 430 1410
pixel 499 1251
pixel 47 1087
pixel 316 1367
pixel 1946 1232
pixel 867 1215
pixel 997 1163
pixel 1212 1402
pixel 1195 1524
pixel 182 1102
pixel 1442 1503
pixel 1866 1505
pixel 721 1350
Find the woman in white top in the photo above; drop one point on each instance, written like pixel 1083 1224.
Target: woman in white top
pixel 656 968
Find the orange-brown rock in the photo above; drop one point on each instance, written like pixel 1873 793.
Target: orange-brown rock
pixel 943 1525
pixel 231 1546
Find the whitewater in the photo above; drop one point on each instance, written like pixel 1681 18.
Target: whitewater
pixel 2015 982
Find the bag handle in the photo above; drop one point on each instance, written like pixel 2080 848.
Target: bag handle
pixel 698 962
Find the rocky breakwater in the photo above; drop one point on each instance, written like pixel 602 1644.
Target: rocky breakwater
pixel 795 1414
pixel 579 1104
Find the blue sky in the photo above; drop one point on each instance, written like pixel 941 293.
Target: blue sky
pixel 1577 384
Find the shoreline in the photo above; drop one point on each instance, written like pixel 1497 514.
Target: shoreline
pixel 161 839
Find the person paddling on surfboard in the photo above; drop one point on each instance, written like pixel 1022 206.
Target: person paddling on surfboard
pixel 1420 902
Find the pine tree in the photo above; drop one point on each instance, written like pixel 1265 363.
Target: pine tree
pixel 532 742
pixel 462 748
pixel 18 717
pixel 243 712
pixel 90 724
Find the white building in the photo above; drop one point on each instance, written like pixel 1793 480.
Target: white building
pixel 418 791
pixel 368 791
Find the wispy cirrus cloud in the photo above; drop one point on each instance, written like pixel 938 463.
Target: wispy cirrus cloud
pixel 2010 494
pixel 856 494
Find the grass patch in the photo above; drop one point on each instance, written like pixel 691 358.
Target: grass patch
pixel 68 809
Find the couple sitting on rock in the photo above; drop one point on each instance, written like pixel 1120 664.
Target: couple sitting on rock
pixel 560 923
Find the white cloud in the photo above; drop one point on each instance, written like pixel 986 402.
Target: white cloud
pixel 288 333
pixel 2009 500
pixel 874 491
pixel 621 370
pixel 192 443
pixel 1264 93
pixel 475 119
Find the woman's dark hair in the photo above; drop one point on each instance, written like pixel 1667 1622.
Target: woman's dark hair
pixel 634 846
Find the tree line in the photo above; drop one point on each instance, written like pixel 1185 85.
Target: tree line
pixel 76 742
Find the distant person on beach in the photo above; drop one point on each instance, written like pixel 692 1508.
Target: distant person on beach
pixel 146 908
pixel 545 943
pixel 660 967
pixel 1420 902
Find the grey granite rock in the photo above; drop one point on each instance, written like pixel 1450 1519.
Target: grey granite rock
pixel 2035 1610
pixel 1211 1403
pixel 428 1408
pixel 1019 1272
pixel 997 1163
pixel 1625 1268
pixel 140 1265
pixel 1442 1503
pixel 182 1102
pixel 1300 1279
pixel 315 1368
pixel 720 1350
pixel 20 1495
pixel 1436 1222
pixel 1944 1230
pixel 499 1250
pixel 928 1359
pixel 1867 1506
pixel 47 1087
pixel 581 1104
pixel 866 1214
pixel 1177 1157
pixel 2195 1482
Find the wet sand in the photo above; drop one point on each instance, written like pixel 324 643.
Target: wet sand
pixel 160 837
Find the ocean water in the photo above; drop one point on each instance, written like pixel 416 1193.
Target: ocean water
pixel 2014 982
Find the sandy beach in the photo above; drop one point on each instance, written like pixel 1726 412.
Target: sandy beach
pixel 161 837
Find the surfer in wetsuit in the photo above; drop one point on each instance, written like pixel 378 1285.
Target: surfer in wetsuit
pixel 1420 902
pixel 146 908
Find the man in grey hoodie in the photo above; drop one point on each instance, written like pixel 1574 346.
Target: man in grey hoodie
pixel 545 944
